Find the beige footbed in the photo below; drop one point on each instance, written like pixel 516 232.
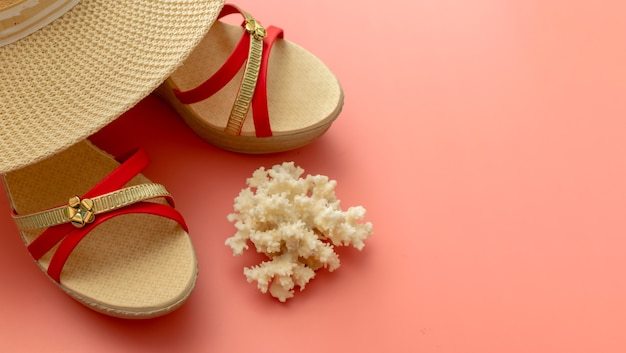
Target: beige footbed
pixel 304 97
pixel 131 266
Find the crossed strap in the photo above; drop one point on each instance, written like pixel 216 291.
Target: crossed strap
pixel 67 225
pixel 253 50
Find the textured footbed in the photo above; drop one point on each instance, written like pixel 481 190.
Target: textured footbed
pixel 303 94
pixel 132 266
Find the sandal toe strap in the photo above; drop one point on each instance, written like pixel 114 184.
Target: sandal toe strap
pixel 79 211
pixel 241 106
pixel 252 50
pixel 68 224
pixel 73 238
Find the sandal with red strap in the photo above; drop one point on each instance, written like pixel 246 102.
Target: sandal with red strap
pixel 119 248
pixel 284 97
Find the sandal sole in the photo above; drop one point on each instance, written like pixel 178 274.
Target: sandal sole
pixel 132 266
pixel 304 96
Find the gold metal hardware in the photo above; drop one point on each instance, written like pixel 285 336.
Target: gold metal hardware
pixel 80 212
pixel 255 28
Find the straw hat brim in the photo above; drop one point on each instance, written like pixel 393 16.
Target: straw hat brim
pixel 72 77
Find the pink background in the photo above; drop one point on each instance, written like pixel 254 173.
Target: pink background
pixel 486 140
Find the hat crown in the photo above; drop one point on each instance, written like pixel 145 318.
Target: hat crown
pixel 19 18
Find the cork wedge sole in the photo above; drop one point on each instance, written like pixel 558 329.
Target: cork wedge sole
pixel 134 266
pixel 303 95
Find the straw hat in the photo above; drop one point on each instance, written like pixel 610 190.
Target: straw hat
pixel 69 67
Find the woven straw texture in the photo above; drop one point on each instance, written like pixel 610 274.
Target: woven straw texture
pixel 303 94
pixel 132 266
pixel 67 80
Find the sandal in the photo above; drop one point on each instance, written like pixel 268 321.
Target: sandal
pixel 120 248
pixel 284 97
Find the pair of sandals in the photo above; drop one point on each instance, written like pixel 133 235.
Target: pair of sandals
pixel 112 239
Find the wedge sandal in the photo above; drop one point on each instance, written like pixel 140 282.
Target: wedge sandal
pixel 103 232
pixel 246 89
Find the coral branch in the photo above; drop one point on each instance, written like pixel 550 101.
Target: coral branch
pixel 296 222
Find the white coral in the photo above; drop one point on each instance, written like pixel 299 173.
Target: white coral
pixel 296 222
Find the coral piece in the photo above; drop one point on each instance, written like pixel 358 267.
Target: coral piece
pixel 297 222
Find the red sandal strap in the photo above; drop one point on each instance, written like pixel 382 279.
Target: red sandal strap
pixel 220 78
pixel 68 236
pixel 227 72
pixel 261 115
pixel 132 164
pixel 69 243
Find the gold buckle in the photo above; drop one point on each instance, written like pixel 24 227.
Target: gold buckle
pixel 255 29
pixel 80 212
